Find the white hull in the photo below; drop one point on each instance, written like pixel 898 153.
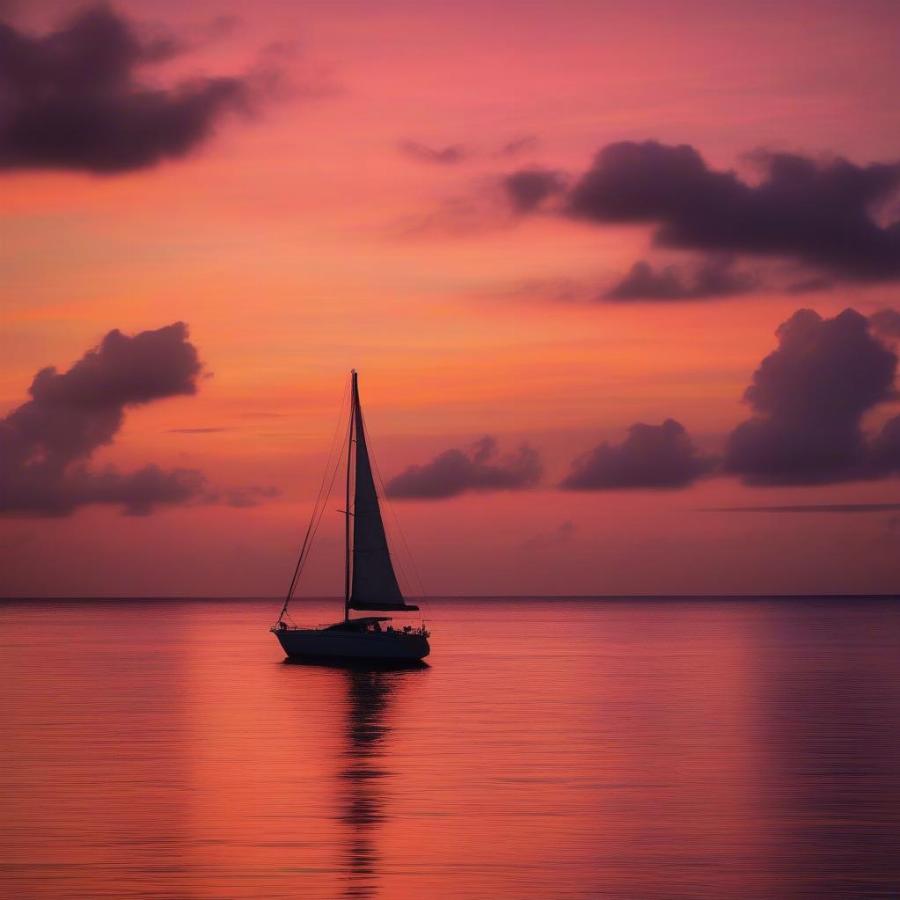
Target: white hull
pixel 312 643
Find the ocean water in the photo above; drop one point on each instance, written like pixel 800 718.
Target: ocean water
pixel 553 748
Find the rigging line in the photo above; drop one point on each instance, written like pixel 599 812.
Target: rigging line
pixel 307 546
pixel 316 511
pixel 310 531
pixel 417 580
pixel 314 526
pixel 315 530
pixel 321 501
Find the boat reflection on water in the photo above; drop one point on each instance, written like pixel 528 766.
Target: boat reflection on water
pixel 362 792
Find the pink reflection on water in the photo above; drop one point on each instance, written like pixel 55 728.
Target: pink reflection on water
pixel 553 748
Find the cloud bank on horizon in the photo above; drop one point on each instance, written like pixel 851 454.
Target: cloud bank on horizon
pixel 72 99
pixel 808 396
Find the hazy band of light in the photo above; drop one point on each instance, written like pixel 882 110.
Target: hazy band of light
pixel 811 508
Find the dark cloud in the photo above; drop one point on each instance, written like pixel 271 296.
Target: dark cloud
pixel 450 155
pixel 527 189
pixel 137 492
pixel 479 468
pixel 652 456
pixel 886 322
pixel 714 277
pixel 885 452
pixel 47 442
pixel 809 397
pixel 809 285
pixel 820 213
pixel 71 99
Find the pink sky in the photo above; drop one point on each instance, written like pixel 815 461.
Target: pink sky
pixel 301 240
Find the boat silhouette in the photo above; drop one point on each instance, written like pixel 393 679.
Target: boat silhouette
pixel 370 583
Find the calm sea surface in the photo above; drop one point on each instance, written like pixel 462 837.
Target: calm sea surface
pixel 567 748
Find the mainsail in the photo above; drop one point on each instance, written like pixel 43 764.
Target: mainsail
pixel 374 584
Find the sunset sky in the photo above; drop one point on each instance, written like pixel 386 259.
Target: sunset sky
pixel 529 226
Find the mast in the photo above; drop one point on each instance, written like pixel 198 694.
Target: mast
pixel 354 400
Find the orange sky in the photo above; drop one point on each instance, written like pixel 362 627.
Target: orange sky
pixel 300 241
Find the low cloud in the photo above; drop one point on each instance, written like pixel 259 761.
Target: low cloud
pixel 651 456
pixel 477 468
pixel 809 397
pixel 72 99
pixel 46 443
pixel 714 277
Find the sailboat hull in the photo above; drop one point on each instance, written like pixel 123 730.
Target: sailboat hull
pixel 385 646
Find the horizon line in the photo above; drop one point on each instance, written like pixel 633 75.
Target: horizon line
pixel 438 597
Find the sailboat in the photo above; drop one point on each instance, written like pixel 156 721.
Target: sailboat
pixel 370 583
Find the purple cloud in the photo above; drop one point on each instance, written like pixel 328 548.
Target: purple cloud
pixel 47 442
pixel 809 397
pixel 527 189
pixel 713 277
pixel 478 468
pixel 824 214
pixel 819 213
pixel 71 99
pixel 651 456
pixel 886 322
